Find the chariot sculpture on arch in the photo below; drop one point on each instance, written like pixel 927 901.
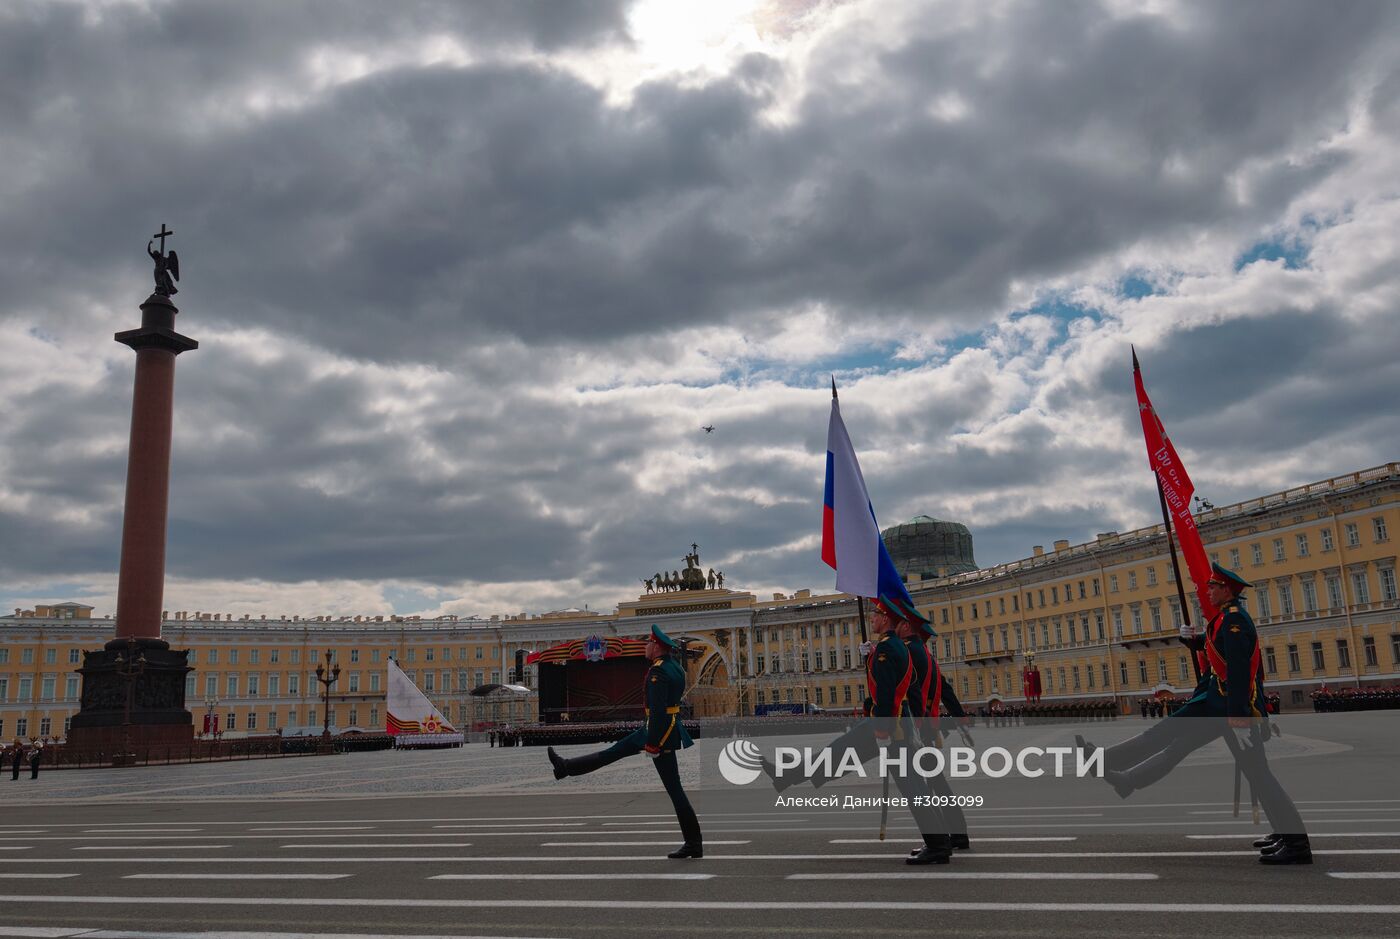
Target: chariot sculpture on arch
pixel 693 577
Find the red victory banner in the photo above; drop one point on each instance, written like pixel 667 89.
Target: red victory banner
pixel 1176 490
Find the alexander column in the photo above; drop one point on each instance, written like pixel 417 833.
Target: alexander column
pixel 134 688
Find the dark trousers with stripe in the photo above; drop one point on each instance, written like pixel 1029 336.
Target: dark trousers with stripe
pixel 1151 755
pixel 932 823
pixel 666 767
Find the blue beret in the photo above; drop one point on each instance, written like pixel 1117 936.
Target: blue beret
pixel 662 638
pixel 1230 577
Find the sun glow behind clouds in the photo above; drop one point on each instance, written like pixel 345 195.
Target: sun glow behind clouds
pixel 685 37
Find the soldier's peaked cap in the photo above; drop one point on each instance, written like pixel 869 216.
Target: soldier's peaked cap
pixel 662 638
pixel 1235 581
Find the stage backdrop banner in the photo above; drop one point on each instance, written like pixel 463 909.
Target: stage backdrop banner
pixel 593 648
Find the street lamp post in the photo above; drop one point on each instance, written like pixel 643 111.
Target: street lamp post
pixel 326 674
pixel 211 718
pixel 130 669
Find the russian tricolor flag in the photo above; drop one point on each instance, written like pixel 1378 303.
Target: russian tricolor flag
pixel 851 540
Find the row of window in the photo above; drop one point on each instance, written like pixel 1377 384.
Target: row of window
pixel 1090 587
pixel 430 654
pixel 274 655
pixel 48 686
pixel 1351 532
pixel 26 656
pixel 822 697
pixel 817 657
pixel 1150 617
pixel 250 685
pixel 1069 677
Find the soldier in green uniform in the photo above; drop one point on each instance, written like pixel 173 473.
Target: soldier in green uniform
pixel 889 724
pixel 1229 699
pixel 926 691
pixel 663 735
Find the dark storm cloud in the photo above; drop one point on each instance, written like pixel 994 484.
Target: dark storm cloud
pixel 500 198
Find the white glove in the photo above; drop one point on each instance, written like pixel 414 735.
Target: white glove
pixel 866 648
pixel 1243 736
pixel 1187 631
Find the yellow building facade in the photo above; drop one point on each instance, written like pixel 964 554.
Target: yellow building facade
pixel 1099 620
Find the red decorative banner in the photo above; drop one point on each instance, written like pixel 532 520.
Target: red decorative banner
pixel 1177 489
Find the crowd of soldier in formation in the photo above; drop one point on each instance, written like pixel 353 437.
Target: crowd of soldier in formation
pixel 1357 699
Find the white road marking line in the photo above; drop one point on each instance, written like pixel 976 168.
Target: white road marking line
pixel 974 875
pixel 785 820
pixel 650 905
pixel 532 833
pixel 979 840
pixel 1030 819
pixel 36 876
pixel 1365 875
pixel 314 828
pixel 86 932
pixel 16 847
pixel 134 831
pixel 1314 834
pixel 228 876
pixel 1214 823
pixel 558 820
pixel 150 847
pixel 535 825
pixel 605 844
pixel 339 846
pixel 613 876
pixel 1310 811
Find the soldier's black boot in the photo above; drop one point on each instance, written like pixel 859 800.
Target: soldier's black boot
pixel 1291 849
pixel 955 842
pixel 688 850
pixel 577 766
pixel 561 765
pixel 934 851
pixel 1121 782
pixel 1269 841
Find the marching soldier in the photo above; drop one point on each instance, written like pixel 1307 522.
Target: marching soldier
pixel 663 735
pixel 927 689
pixel 1231 688
pixel 889 724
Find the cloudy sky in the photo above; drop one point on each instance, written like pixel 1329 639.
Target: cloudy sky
pixel 468 278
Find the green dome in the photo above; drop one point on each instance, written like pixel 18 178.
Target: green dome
pixel 927 547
